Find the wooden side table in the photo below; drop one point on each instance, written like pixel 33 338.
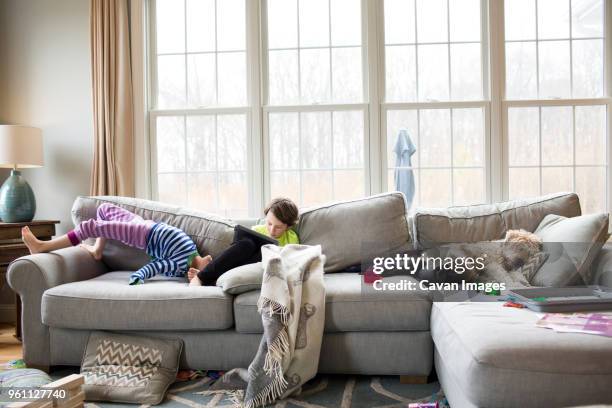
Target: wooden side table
pixel 11 248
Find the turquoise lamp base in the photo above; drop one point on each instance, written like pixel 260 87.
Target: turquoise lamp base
pixel 17 202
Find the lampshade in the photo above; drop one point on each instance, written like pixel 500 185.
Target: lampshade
pixel 20 146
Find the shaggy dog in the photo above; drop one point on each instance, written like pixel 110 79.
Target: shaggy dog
pixel 518 246
pixel 503 259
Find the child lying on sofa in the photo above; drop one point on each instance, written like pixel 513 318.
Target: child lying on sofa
pixel 172 251
pixel 281 214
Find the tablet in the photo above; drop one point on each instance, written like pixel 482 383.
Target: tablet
pixel 568 299
pixel 260 240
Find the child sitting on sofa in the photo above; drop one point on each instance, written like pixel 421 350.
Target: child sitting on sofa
pixel 281 214
pixel 172 251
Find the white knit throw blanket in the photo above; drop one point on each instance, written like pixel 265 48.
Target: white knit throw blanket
pixel 292 308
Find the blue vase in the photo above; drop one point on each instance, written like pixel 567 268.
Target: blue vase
pixel 17 202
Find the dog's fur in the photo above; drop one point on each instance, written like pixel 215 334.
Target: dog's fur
pixel 518 246
pixel 503 258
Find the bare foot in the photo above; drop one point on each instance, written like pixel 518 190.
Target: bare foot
pixel 93 251
pixel 191 273
pixel 200 262
pixel 205 261
pixel 34 244
pixel 195 281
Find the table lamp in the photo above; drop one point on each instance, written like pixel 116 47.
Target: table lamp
pixel 20 147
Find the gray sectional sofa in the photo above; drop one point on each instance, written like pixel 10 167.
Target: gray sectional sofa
pixel 485 355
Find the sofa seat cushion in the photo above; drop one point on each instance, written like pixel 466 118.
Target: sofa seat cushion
pixel 496 354
pixel 348 308
pixel 107 302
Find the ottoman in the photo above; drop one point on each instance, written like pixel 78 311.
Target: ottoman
pixel 487 355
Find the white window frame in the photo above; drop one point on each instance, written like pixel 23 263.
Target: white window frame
pixel 506 104
pixel 484 104
pixel 375 110
pixel 249 110
pixel 267 109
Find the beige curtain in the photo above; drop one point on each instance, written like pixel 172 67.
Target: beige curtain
pixel 113 164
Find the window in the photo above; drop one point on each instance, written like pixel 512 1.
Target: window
pixel 200 136
pixel 554 49
pixel 315 113
pixel 317 99
pixel 556 115
pixel 433 57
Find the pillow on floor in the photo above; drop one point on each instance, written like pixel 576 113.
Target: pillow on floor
pixel 572 244
pixel 24 377
pixel 241 279
pixel 127 368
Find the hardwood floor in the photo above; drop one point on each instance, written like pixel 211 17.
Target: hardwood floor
pixel 10 347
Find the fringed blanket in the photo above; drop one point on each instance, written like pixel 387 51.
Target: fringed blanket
pixel 292 308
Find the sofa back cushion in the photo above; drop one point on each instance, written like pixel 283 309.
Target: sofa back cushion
pixel 350 232
pixel 211 234
pixel 487 222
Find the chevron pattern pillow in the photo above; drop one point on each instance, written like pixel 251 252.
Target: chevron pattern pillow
pixel 126 368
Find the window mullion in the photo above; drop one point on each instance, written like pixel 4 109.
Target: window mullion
pixel 139 26
pixel 416 51
pixel 375 135
pixel 573 147
pixel 608 93
pixel 452 161
pixel 152 55
pixel 448 53
pixel 216 172
pixel 256 72
pixel 540 148
pixel 571 51
pixel 186 171
pixel 185 58
pixel 299 58
pixel 200 111
pixel 493 30
pixel 153 155
pixel 216 57
pixel 556 102
pixel 314 108
pixel 537 54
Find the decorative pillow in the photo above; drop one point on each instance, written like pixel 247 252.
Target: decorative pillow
pixel 24 377
pixel 241 279
pixel 127 368
pixel 533 264
pixel 572 245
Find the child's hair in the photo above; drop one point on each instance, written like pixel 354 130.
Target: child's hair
pixel 284 209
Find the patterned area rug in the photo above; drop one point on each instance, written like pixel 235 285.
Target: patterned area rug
pixel 324 391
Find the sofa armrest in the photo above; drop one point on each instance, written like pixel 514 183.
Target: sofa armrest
pixel 602 267
pixel 30 276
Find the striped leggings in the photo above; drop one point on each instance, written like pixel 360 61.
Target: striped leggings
pixel 169 249
pixel 116 223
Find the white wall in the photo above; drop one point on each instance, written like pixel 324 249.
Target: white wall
pixel 45 81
